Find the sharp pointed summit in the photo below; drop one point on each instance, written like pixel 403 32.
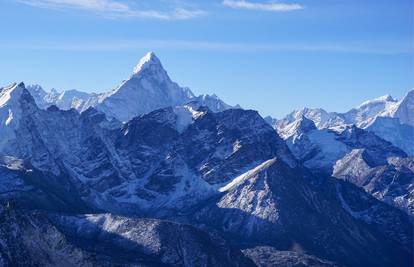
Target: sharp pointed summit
pixel 10 95
pixel 150 67
pixel 14 100
pixel 147 89
pixel 149 60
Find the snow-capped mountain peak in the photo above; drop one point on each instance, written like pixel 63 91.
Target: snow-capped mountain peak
pixel 7 93
pixel 301 125
pixel 405 110
pixel 64 100
pixel 389 118
pixel 150 59
pixel 147 89
pixel 379 100
pixel 150 68
pixel 14 99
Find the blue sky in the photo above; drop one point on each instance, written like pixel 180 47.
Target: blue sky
pixel 272 56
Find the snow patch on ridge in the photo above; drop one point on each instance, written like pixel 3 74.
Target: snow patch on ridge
pixel 185 116
pixel 241 178
pixel 10 112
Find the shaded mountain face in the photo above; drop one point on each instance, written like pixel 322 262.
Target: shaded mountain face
pixel 31 240
pixel 283 207
pixel 147 89
pixel 37 239
pixel 320 149
pixel 386 117
pixel 391 182
pixel 269 256
pixel 149 240
pixel 355 155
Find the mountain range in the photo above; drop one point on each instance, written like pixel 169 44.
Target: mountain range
pixel 390 119
pixel 149 174
pixel 149 88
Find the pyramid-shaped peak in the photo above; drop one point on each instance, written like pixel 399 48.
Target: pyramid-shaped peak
pixel 10 93
pixel 150 59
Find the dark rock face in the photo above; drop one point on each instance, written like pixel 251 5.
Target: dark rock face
pixel 35 239
pixel 221 145
pixel 358 156
pixel 31 240
pixel 149 240
pixel 278 206
pixel 34 189
pixel 269 256
pixel 391 182
pixel 377 150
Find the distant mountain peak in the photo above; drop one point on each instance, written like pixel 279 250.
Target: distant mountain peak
pixel 382 99
pixel 150 59
pixel 149 88
pixel 11 93
pixel 404 110
pixel 387 97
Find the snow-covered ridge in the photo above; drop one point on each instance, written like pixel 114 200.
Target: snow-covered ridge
pixel 10 111
pixel 10 93
pixel 64 100
pixel 147 89
pixel 239 179
pixel 390 119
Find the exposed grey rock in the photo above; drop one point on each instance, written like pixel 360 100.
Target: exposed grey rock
pixel 355 155
pixel 269 256
pixel 35 239
pixel 284 207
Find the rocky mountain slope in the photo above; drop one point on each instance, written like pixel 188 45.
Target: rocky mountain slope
pixel 290 209
pixel 269 256
pixel 37 239
pixel 356 155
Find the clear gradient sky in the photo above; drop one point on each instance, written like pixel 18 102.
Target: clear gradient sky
pixel 272 56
